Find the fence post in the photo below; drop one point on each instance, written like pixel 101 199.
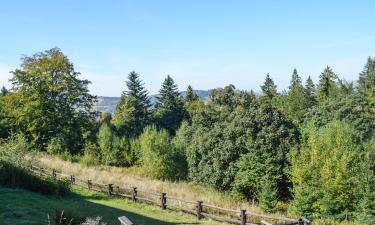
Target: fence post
pixel 134 198
pixel 199 209
pixel 89 184
pixel 54 174
pixel 110 189
pixel 243 217
pixel 163 200
pixel 72 179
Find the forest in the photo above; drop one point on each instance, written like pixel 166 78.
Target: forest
pixel 311 147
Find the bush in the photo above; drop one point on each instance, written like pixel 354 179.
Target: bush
pixel 14 176
pixel 332 177
pixel 159 158
pixel 91 155
pixel 56 146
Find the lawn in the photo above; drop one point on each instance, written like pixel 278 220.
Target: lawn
pixel 18 207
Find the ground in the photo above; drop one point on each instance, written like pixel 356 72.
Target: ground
pixel 20 207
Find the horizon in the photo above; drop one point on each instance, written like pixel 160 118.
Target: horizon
pixel 205 44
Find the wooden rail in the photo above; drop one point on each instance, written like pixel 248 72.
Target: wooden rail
pixel 202 210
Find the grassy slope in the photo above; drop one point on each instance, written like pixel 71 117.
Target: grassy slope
pixel 24 207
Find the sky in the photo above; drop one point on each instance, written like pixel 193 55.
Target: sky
pixel 205 43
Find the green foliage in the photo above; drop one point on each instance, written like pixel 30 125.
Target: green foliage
pixel 56 146
pixel 218 136
pixel 14 171
pixel 191 96
pixel 310 93
pixel 50 100
pixel 91 155
pixel 269 87
pixel 169 109
pixel 159 158
pixel 296 101
pixel 107 140
pixel 327 87
pixel 20 177
pixel 257 178
pixel 352 109
pixel 132 113
pixel 13 150
pixel 268 195
pixel 327 172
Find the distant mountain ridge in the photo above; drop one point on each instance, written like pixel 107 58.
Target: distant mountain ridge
pixel 108 104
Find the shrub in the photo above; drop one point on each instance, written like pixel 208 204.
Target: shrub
pixel 56 146
pixel 15 176
pixel 91 155
pixel 158 156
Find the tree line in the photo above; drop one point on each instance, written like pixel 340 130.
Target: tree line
pixel 312 146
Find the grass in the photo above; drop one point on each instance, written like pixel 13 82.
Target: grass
pixel 20 207
pixel 129 177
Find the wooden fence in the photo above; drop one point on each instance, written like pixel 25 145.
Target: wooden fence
pixel 164 201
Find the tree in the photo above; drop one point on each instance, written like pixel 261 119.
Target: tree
pixel 327 87
pixel 223 96
pixel 169 109
pixel 218 137
pixel 326 171
pixel 50 100
pixel 191 95
pixel 366 81
pixel 133 111
pixel 3 91
pixel 296 102
pixel 366 84
pixel 269 88
pixel 159 159
pixel 310 93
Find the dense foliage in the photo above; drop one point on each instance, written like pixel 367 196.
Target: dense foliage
pixel 311 146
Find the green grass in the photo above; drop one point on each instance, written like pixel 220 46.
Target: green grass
pixel 18 207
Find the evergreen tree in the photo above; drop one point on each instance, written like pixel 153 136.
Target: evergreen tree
pixel 169 109
pixel 191 95
pixel 366 84
pixel 310 93
pixel 135 100
pixel 296 106
pixel 327 87
pixel 269 88
pixel 3 91
pixel 366 81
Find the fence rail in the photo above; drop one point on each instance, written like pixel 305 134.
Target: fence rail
pixel 200 209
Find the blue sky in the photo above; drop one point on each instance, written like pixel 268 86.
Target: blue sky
pixel 205 43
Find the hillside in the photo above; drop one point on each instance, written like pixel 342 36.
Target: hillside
pixel 23 207
pixel 108 104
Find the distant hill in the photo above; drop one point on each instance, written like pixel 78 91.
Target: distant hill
pixel 108 104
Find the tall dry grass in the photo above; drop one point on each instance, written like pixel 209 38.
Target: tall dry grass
pixel 125 177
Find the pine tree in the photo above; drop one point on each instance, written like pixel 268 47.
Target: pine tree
pixel 134 103
pixel 169 110
pixel 190 95
pixel 310 92
pixel 327 87
pixel 4 91
pixel 269 88
pixel 295 98
pixel 366 81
